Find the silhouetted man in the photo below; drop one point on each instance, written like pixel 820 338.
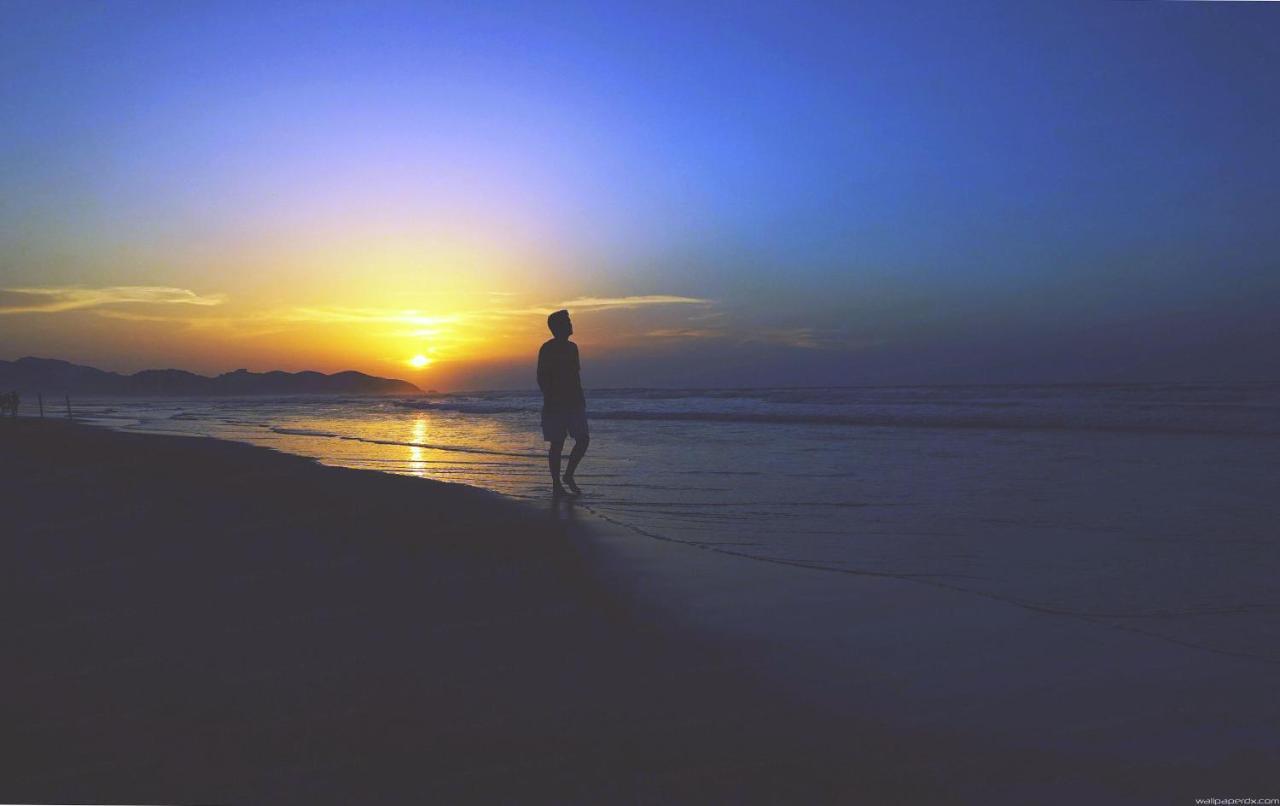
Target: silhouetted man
pixel 564 407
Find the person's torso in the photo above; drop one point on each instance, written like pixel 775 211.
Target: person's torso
pixel 563 383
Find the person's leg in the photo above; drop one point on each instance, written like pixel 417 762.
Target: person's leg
pixel 580 431
pixel 555 448
pixel 580 446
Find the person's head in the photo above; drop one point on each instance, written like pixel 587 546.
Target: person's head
pixel 560 325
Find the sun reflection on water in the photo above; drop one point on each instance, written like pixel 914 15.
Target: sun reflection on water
pixel 417 465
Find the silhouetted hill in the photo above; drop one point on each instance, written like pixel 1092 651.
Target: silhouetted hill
pixel 48 375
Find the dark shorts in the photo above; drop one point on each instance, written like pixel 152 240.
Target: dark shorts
pixel 556 423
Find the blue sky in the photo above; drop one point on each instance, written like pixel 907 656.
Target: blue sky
pixel 896 192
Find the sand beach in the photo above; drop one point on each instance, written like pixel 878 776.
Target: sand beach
pixel 192 620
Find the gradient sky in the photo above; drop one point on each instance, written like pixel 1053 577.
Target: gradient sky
pixel 722 194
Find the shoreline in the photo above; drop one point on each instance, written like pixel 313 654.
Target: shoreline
pixel 203 620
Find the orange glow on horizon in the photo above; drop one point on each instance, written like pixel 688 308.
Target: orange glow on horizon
pixel 396 317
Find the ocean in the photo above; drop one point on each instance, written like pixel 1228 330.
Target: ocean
pixel 1149 508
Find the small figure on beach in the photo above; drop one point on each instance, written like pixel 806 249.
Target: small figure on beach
pixel 564 407
pixel 9 404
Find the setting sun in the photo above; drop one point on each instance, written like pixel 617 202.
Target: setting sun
pixel 419 361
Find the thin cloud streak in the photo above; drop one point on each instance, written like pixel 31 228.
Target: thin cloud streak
pixel 595 304
pixel 57 299
pixel 605 303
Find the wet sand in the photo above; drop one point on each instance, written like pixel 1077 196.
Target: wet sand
pixel 189 620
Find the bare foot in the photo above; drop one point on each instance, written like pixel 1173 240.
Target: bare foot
pixel 572 485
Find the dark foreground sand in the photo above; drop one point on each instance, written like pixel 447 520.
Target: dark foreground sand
pixel 187 620
pixel 193 621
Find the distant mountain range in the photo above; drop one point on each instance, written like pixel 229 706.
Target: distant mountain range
pixel 50 376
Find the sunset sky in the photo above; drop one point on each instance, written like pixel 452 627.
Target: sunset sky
pixel 721 194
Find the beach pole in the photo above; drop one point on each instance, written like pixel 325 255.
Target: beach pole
pixel 68 407
pixel 40 399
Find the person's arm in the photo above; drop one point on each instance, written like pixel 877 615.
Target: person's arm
pixel 577 376
pixel 543 379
